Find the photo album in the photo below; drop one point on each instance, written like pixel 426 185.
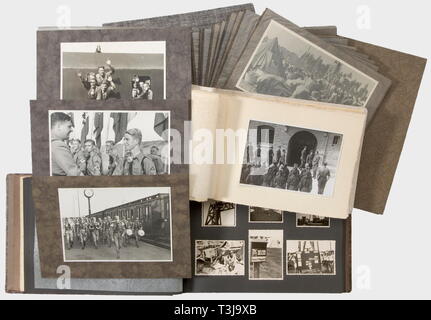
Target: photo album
pixel 210 151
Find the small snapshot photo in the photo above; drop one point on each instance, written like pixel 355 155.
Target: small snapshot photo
pixel 264 215
pixel 287 65
pixel 105 143
pixel 116 224
pixel 265 254
pixel 312 221
pixel 310 257
pixel 219 258
pixel 113 70
pixel 218 214
pixel 291 158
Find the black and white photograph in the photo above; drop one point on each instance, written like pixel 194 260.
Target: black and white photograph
pixel 219 257
pixel 113 70
pixel 312 221
pixel 310 257
pixel 116 224
pixel 291 158
pixel 93 143
pixel 287 65
pixel 264 215
pixel 218 214
pixel 265 254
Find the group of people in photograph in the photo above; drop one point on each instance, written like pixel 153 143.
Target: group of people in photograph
pixel 306 77
pixel 101 86
pixel 278 175
pixel 86 231
pixel 141 88
pixel 72 157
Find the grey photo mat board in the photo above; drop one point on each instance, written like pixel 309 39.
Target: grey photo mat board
pixel 194 20
pixel 177 56
pixel 198 19
pixel 267 17
pixel 230 32
pixel 40 132
pixel 35 283
pixel 339 231
pixel 47 208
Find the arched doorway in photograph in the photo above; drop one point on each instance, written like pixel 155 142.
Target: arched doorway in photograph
pixel 297 143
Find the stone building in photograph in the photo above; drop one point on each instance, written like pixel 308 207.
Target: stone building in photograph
pixel 268 137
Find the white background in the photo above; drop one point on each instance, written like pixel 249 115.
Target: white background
pixel 391 253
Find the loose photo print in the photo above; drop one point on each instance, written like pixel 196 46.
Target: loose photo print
pixel 113 70
pixel 265 254
pixel 218 214
pixel 291 158
pixel 93 143
pixel 219 257
pixel 287 65
pixel 116 224
pixel 264 215
pixel 310 257
pixel 312 221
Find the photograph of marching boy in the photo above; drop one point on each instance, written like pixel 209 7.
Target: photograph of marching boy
pixel 264 215
pixel 312 221
pixel 105 143
pixel 219 258
pixel 113 70
pixel 291 158
pixel 265 254
pixel 310 257
pixel 116 224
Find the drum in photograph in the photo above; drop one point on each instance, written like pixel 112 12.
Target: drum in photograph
pixel 129 232
pixel 141 233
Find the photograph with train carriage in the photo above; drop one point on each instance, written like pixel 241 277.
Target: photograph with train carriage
pixel 310 257
pixel 113 70
pixel 291 158
pixel 93 143
pixel 287 65
pixel 218 214
pixel 116 224
pixel 219 257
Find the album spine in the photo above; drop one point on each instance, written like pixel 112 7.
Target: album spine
pixel 348 254
pixel 13 237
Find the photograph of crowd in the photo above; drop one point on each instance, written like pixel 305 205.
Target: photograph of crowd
pixel 121 224
pixel 219 258
pixel 313 221
pixel 310 257
pixel 291 158
pixel 287 65
pixel 265 254
pixel 91 143
pixel 264 215
pixel 113 70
